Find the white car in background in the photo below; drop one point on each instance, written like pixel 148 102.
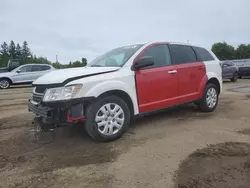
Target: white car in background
pixel 24 74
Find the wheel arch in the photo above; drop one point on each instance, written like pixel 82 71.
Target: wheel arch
pixel 119 88
pixel 7 78
pixel 237 72
pixel 205 81
pixel 216 82
pixel 123 95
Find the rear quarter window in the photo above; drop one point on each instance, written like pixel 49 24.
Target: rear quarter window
pixel 36 68
pixel 203 54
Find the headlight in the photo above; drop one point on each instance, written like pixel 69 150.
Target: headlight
pixel 61 93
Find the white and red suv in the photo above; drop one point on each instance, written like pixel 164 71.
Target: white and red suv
pixel 126 82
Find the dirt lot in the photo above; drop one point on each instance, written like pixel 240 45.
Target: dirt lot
pixel 147 156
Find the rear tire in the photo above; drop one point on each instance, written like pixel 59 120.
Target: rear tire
pixel 235 77
pixel 4 83
pixel 107 118
pixel 210 98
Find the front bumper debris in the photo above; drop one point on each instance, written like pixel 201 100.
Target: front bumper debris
pixel 39 110
pixel 42 133
pixel 70 111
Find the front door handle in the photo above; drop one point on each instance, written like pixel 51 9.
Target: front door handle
pixel 172 72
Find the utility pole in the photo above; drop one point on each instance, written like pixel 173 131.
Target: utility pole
pixel 56 59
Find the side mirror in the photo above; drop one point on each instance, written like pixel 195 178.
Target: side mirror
pixel 224 66
pixel 18 71
pixel 143 62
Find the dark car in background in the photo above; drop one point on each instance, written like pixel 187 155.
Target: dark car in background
pixel 230 71
pixel 243 66
pixel 244 69
pixel 12 64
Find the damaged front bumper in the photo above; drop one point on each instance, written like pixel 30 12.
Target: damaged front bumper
pixel 60 112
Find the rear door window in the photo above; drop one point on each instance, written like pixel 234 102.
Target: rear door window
pixel 36 68
pixel 203 54
pixel 45 67
pixel 182 54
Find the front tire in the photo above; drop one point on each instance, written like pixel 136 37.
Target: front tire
pixel 107 118
pixel 4 83
pixel 235 77
pixel 210 98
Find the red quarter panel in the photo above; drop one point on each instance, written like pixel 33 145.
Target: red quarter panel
pixel 190 78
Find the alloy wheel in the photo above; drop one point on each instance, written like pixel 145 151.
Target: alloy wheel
pixel 211 97
pixel 4 84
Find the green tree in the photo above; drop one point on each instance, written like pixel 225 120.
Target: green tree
pixel 12 49
pixel 43 60
pixel 25 50
pixel 24 54
pixel 57 65
pixel 84 62
pixel 77 64
pixel 18 51
pixel 4 55
pixel 243 51
pixel 224 51
pixel 4 49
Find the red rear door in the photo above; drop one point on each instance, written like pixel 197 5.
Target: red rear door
pixel 157 86
pixel 190 72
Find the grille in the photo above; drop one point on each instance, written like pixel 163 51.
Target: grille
pixel 37 98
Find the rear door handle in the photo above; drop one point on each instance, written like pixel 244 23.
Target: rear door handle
pixel 172 72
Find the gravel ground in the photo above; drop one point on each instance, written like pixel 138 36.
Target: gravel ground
pixel 220 165
pixel 175 148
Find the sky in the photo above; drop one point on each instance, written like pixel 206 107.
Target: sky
pixel 73 29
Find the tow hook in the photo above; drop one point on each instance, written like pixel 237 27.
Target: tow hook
pixel 42 132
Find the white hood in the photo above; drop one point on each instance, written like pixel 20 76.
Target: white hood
pixel 59 76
